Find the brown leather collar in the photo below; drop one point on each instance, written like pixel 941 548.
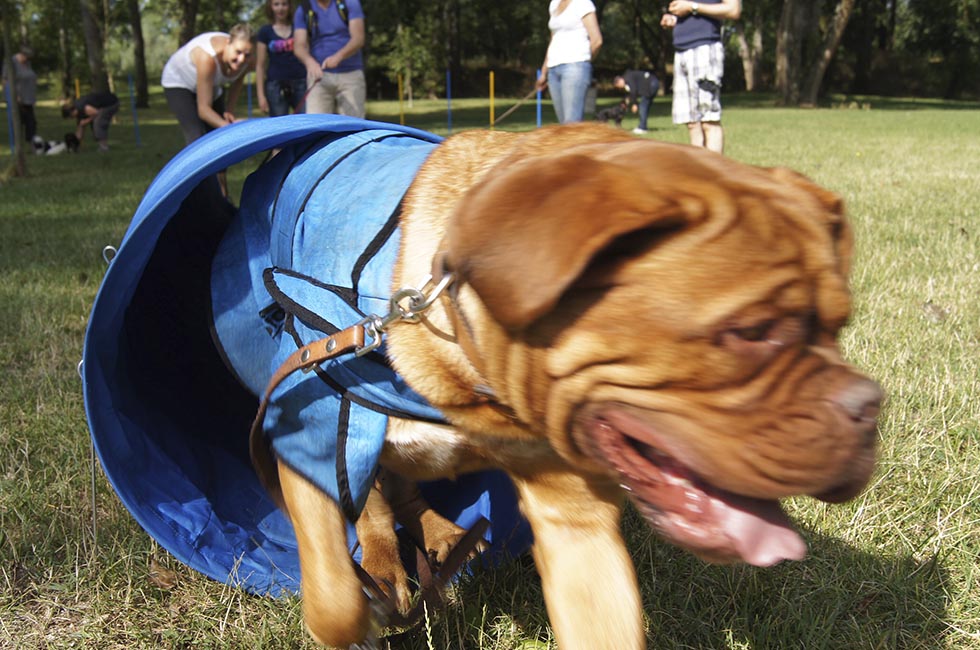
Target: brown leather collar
pixel 465 336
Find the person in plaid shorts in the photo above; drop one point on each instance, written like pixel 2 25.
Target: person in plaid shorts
pixel 699 62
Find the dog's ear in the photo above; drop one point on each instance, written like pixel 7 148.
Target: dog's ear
pixel 525 234
pixel 831 216
pixel 823 211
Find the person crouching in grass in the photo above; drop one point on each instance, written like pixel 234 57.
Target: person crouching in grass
pixel 96 109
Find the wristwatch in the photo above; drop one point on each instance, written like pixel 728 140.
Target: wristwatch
pixel 694 8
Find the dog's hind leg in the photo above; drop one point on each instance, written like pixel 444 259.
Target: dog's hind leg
pixel 379 548
pixel 335 608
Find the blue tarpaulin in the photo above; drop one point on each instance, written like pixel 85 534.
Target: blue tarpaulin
pixel 168 399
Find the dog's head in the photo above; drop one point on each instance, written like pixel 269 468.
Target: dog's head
pixel 72 142
pixel 669 317
pixel 615 113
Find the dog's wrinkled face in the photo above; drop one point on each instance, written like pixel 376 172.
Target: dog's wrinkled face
pixel 679 335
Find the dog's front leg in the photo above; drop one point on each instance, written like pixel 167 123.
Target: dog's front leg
pixel 379 548
pixel 335 608
pixel 589 581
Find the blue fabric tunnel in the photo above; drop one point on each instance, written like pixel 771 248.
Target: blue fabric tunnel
pixel 201 303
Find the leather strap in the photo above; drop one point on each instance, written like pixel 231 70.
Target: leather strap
pixel 465 336
pixel 433 579
pixel 305 358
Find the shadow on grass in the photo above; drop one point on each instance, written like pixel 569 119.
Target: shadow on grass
pixel 838 597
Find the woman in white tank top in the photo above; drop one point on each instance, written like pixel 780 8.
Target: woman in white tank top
pixel 194 75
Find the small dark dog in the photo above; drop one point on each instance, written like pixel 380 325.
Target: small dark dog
pixel 613 113
pixel 72 142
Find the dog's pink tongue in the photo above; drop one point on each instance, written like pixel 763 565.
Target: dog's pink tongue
pixel 760 531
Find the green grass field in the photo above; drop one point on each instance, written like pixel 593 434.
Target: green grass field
pixel 899 567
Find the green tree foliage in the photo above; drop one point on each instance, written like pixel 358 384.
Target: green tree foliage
pixel 406 57
pixel 947 34
pixel 924 47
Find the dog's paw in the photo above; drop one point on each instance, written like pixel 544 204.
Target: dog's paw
pixel 440 536
pixel 383 563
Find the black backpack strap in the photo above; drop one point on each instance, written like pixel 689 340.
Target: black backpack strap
pixel 311 21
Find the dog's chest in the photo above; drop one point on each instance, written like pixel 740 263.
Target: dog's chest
pixel 425 451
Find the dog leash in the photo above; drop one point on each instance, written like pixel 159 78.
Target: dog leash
pixel 360 338
pixel 514 107
pixel 302 102
pixel 433 580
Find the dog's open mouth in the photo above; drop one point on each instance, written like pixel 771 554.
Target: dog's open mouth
pixel 686 509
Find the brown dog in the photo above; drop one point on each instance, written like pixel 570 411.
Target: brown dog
pixel 627 318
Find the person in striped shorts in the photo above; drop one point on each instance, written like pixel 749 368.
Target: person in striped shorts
pixel 699 63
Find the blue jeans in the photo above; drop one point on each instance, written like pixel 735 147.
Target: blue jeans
pixel 568 83
pixel 645 101
pixel 644 111
pixel 283 94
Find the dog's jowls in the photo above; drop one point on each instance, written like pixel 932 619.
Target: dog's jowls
pixel 656 322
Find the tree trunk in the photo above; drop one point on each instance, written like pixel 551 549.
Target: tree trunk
pixel 188 19
pixel 750 51
pixel 795 45
pixel 64 53
pixel 653 42
pixel 831 41
pixel 105 43
pixel 889 44
pixel 139 54
pixel 93 48
pixel 789 48
pixel 20 157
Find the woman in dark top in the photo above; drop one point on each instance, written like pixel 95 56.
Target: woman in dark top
pixel 280 76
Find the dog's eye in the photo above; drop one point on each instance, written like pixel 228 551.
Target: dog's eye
pixel 754 333
pixel 766 335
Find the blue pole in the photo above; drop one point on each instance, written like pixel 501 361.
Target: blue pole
pixel 449 102
pixel 539 101
pixel 10 117
pixel 136 119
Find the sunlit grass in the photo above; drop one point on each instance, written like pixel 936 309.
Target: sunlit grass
pixel 896 568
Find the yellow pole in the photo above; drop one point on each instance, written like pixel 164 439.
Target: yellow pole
pixel 78 91
pixel 492 120
pixel 401 110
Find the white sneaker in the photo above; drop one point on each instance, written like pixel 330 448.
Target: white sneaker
pixel 639 131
